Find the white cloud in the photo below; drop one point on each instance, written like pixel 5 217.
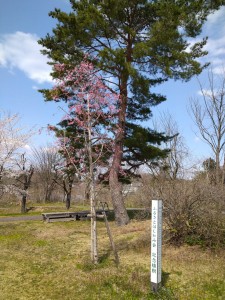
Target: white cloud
pixel 27 147
pixel 219 70
pixel 218 15
pixel 215 30
pixel 216 92
pixel 20 50
pixel 201 93
pixel 197 139
pixel 216 46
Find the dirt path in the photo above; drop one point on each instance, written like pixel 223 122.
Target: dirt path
pixel 20 218
pixel 40 218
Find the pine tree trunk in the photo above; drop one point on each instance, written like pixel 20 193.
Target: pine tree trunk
pixel 121 215
pixel 120 211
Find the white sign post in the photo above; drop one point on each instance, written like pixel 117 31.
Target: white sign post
pixel 156 245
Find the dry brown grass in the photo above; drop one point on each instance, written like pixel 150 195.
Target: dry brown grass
pixel 50 261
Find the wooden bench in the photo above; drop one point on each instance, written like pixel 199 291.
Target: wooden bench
pixel 69 216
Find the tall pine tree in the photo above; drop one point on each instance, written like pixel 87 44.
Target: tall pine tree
pixel 137 44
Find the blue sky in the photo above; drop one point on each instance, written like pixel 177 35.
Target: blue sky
pixel 23 70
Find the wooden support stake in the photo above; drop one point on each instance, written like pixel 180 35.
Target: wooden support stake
pixel 111 238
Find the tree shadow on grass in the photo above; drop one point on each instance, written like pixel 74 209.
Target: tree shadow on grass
pixel 136 214
pixel 165 278
pixel 104 257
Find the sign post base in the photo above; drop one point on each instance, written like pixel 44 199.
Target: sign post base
pixel 155 287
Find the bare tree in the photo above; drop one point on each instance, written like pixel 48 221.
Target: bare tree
pixel 209 116
pixel 12 139
pixel 23 179
pixel 65 177
pixel 173 165
pixel 45 159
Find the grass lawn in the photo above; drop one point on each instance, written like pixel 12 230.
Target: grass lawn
pixel 50 261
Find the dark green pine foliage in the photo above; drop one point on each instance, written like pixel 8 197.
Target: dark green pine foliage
pixel 141 146
pixel 72 145
pixel 74 149
pixel 67 133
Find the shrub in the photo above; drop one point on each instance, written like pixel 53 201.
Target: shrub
pixel 193 211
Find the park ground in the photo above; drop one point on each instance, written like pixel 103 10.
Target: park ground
pixel 51 261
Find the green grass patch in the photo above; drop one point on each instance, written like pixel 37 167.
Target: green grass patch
pixel 10 237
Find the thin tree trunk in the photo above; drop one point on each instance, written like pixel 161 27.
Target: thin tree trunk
pixel 218 167
pixel 68 200
pixel 23 204
pixel 46 195
pixel 223 173
pixel 94 246
pixel 68 191
pixel 87 191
